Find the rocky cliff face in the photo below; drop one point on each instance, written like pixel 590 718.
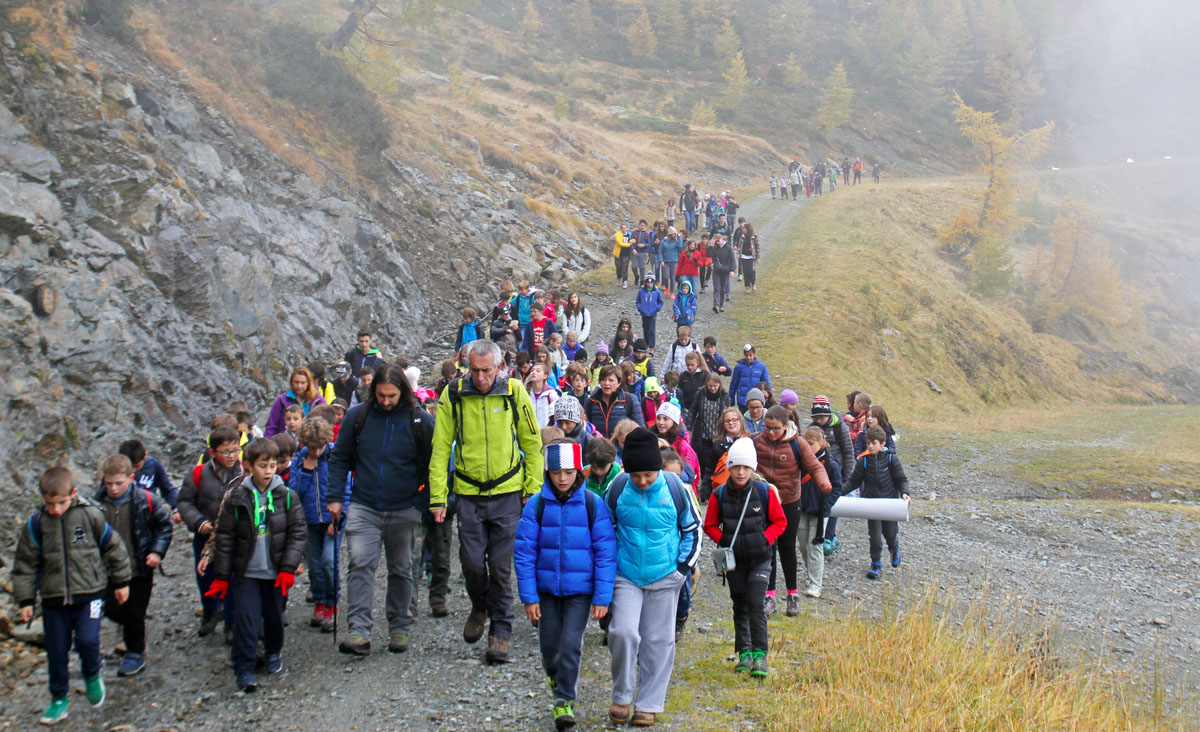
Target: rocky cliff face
pixel 158 261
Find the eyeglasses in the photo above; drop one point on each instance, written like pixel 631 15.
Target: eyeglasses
pixel 228 453
pixel 733 420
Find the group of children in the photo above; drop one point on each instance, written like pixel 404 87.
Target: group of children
pixel 618 435
pixel 813 179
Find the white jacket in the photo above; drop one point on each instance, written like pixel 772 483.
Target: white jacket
pixel 674 360
pixel 581 324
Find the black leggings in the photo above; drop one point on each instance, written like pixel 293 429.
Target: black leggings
pixel 785 547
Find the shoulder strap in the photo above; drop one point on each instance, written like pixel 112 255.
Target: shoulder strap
pixel 541 509
pixel 795 445
pixel 35 529
pixel 418 434
pixel 196 474
pixel 149 502
pixel 360 418
pixel 589 500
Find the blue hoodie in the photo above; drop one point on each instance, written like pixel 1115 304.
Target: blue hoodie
pixel 685 304
pixel 670 250
pixel 649 302
pixel 564 555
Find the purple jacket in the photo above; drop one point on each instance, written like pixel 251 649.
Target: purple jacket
pixel 275 423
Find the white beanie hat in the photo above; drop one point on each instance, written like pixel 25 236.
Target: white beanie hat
pixel 742 452
pixel 413 374
pixel 670 409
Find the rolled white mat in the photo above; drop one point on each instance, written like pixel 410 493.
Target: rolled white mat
pixel 879 509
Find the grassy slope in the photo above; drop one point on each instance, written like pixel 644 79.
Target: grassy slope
pixel 860 298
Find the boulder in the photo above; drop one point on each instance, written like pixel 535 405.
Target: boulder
pixel 26 206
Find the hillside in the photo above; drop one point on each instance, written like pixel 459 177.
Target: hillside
pixel 858 294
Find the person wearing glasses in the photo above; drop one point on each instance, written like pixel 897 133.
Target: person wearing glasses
pixel 199 502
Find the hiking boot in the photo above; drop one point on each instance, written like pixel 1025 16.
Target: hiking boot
pixel 318 616
pixel 679 625
pixel 828 548
pixel 642 719
pixel 793 605
pixel 813 591
pixel 55 713
pixel 896 557
pixel 553 684
pixel 497 651
pixel 619 713
pixel 769 607
pixel 329 620
pixel 133 664
pixel 356 645
pixel 246 683
pixel 473 630
pixel 208 624
pixel 745 661
pixel 873 572
pixel 96 693
pixel 438 609
pixel 564 715
pixel 398 642
pixel 758 665
pixel 274 664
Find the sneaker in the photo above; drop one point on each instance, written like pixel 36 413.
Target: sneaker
pixel 835 543
pixel 398 642
pixel 329 621
pixel 679 625
pixel 246 683
pixel 813 591
pixel 497 651
pixel 55 713
pixel 758 667
pixel 793 605
pixel 739 278
pixel 274 663
pixel 356 645
pixel 318 617
pixel 895 557
pixel 642 719
pixel 873 572
pixel 564 715
pixel 96 692
pixel 619 713
pixel 625 285
pixel 473 630
pixel 828 548
pixel 133 664
pixel 716 309
pixel 769 606
pixel 208 624
pixel 553 684
pixel 754 287
pixel 438 609
pixel 745 661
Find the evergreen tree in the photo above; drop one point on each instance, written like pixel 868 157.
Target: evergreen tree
pixel 1074 279
pixel 670 29
pixel 954 39
pixel 835 100
pixel 707 19
pixel 921 75
pixel 640 36
pixel 735 78
pixel 531 23
pixel 583 24
pixel 703 115
pixel 726 44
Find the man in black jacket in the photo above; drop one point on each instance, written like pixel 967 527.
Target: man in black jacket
pixel 386 443
pixel 723 264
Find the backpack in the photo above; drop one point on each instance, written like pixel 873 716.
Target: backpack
pixel 510 402
pixel 360 419
pixel 35 532
pixel 678 495
pixel 589 499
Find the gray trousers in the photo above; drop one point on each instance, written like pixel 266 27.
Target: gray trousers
pixel 813 555
pixel 642 641
pixel 487 532
pixel 720 288
pixel 369 533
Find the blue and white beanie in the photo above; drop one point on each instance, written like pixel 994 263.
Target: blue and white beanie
pixel 564 456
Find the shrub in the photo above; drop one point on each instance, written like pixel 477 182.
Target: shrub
pixel 645 123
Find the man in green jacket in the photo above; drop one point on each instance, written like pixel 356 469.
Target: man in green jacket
pixel 488 424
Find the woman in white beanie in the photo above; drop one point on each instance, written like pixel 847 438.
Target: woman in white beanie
pixel 745 514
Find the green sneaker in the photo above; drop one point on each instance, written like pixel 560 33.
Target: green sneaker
pixel 564 715
pixel 745 661
pixel 758 668
pixel 553 685
pixel 95 690
pixel 56 712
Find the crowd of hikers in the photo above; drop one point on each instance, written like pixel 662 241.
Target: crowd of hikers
pixel 815 178
pixel 591 476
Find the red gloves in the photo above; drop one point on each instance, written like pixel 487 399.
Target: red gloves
pixel 284 582
pixel 218 588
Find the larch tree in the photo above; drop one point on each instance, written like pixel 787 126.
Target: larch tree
pixel 583 24
pixel 531 22
pixel 364 15
pixel 703 114
pixel 640 36
pixel 735 79
pixel 834 111
pixel 1073 280
pixel 670 29
pixel 979 234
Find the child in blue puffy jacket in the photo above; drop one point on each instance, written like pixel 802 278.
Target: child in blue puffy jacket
pixel 309 478
pixel 566 562
pixel 649 302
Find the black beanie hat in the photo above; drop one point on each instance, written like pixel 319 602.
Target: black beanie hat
pixel 641 451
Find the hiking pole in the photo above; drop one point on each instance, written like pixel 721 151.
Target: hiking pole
pixel 337 571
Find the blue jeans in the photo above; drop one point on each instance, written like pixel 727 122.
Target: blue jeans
pixel 319 551
pixel 692 280
pixel 258 607
pixel 204 581
pixel 560 635
pixel 690 218
pixel 649 322
pixel 82 621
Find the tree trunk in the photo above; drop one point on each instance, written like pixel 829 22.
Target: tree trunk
pixel 343 35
